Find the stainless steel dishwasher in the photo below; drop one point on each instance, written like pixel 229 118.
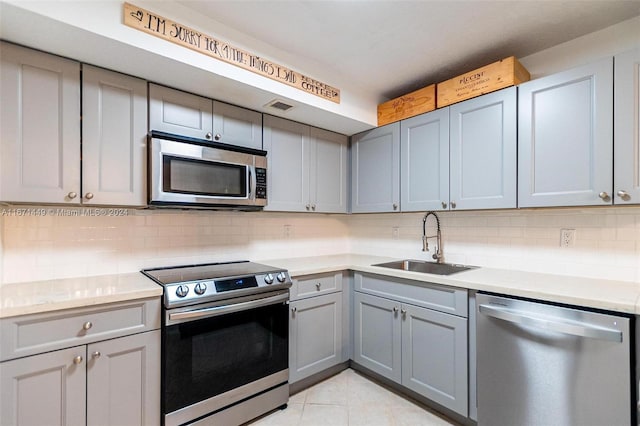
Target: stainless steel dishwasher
pixel 544 365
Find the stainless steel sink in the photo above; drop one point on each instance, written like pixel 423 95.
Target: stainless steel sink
pixel 425 267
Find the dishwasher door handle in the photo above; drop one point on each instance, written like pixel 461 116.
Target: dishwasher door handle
pixel 573 328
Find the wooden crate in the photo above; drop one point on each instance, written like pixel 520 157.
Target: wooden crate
pixel 498 75
pixel 414 103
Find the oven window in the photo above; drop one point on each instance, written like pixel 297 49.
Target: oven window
pixel 199 177
pixel 208 357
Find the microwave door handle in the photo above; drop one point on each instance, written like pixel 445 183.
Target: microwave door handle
pixel 252 182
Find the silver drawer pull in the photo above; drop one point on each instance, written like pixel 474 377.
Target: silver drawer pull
pixel 87 325
pixel 318 285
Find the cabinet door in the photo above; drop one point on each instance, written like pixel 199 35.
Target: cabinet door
pixel 424 168
pixel 180 113
pixel 434 356
pixel 484 152
pixel 123 380
pixel 287 144
pixel 377 335
pixel 47 389
pixel 626 130
pixel 328 172
pixel 315 333
pixel 237 126
pixel 40 131
pixel 114 135
pixel 375 170
pixel 566 138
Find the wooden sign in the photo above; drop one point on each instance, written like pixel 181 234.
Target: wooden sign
pixel 409 105
pixel 166 29
pixel 498 75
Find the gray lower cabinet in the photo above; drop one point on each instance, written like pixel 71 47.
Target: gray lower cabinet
pixel 375 170
pixel 422 349
pixel 315 330
pixel 93 366
pixel 565 138
pixel 626 130
pixel 307 167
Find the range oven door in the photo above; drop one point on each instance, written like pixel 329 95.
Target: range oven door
pixel 223 353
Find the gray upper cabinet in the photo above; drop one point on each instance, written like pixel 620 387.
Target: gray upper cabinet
pixel 483 152
pixel 566 138
pixel 307 167
pixel 180 113
pixel 328 171
pixel 114 135
pixel 424 163
pixel 237 126
pixel 375 170
pixel 626 122
pixel 40 131
pixel 185 114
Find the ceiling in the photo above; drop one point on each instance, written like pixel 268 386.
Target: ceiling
pixel 389 48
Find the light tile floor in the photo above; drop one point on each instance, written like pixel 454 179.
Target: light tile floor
pixel 350 399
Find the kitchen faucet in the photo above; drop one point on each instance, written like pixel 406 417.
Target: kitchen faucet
pixel 437 256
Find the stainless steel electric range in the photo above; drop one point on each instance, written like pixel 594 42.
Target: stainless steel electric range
pixel 225 342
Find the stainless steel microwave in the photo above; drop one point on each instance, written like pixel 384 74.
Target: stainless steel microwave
pixel 186 172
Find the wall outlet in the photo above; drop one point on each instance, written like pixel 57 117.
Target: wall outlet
pixel 286 231
pixel 395 232
pixel 567 237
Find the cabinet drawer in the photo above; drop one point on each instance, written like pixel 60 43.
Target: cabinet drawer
pixel 31 334
pixel 433 296
pixel 313 285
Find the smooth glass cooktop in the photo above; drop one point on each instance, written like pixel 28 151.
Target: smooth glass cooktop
pixel 209 271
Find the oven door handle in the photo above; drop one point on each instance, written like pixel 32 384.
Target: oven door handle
pixel 227 309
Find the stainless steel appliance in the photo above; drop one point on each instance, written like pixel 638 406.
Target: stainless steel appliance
pixel 200 173
pixel 225 342
pixel 542 364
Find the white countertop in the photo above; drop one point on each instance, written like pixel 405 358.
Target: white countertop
pixel 620 296
pixel 52 295
pixel 43 296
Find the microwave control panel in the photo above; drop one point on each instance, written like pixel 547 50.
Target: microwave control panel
pixel 261 183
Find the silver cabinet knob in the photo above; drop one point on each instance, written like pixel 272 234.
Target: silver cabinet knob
pixel 208 136
pixel 318 285
pixel 453 204
pixel 604 196
pixel 72 195
pixel 624 195
pixel 77 360
pixel 403 311
pixel 444 205
pixel 294 309
pixel 308 206
pixel 217 137
pixel 96 355
pixel 395 206
pixel 313 207
pixel 88 195
pixel 395 309
pixel 87 325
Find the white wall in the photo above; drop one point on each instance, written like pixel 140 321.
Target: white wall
pixel 607 243
pixel 49 247
pixel 585 49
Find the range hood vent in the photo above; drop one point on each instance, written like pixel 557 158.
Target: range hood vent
pixel 279 105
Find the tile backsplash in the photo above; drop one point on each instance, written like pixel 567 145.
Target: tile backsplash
pixel 607 240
